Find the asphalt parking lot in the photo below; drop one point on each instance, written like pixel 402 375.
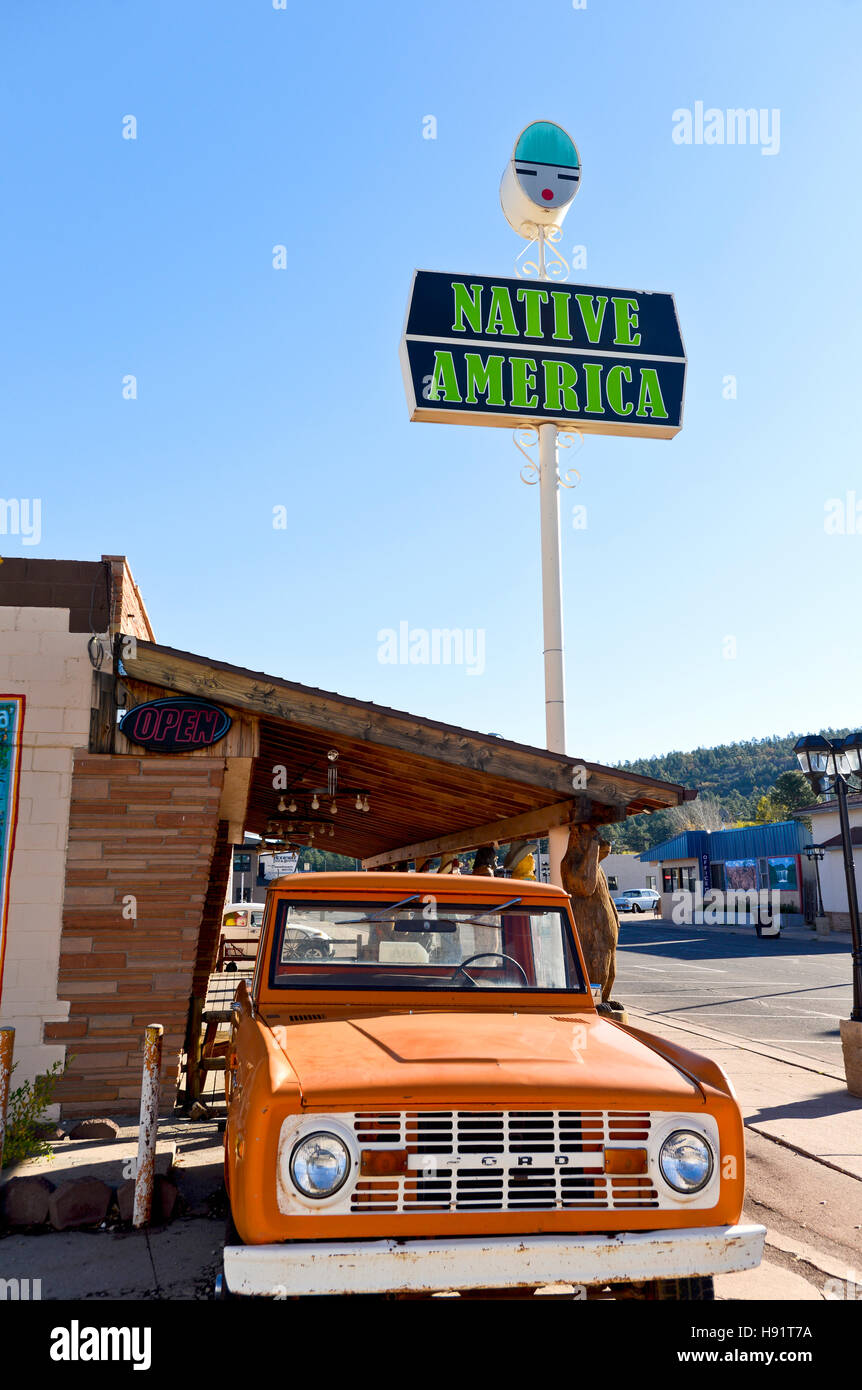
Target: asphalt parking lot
pixel 785 991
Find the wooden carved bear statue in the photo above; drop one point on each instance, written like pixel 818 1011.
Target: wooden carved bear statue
pixel 595 914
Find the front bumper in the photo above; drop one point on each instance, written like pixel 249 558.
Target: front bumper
pixel 492 1262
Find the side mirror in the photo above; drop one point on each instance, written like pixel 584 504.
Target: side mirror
pixel 596 992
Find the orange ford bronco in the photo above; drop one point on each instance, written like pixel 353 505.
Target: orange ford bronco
pixel 431 1101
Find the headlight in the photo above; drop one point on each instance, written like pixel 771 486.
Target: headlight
pixel 319 1164
pixel 686 1161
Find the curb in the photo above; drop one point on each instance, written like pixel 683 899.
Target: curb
pixel 742 929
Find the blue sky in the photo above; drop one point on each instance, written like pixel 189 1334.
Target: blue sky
pixel 259 387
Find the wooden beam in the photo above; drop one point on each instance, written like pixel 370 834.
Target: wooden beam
pixel 527 826
pixel 323 711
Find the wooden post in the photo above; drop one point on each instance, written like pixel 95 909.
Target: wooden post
pixel 148 1127
pixel 193 1051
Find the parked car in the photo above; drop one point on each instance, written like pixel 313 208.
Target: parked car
pixel 637 900
pixel 398 1121
pixel 242 921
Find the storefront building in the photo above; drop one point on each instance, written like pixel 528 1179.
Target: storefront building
pixel 131 773
pixel 748 859
pixel 827 835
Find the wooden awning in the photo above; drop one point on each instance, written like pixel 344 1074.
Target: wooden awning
pixel 427 783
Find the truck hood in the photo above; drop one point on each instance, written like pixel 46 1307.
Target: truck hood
pixel 509 1060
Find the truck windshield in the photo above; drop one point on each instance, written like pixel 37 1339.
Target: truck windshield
pixel 423 945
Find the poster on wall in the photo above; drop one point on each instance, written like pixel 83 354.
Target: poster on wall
pixel 274 865
pixel 11 722
pixel 782 872
pixel 741 875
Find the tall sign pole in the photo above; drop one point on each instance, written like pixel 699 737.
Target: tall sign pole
pixel 549 362
pixel 538 187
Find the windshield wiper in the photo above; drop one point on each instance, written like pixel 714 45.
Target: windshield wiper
pixel 381 912
pixel 501 907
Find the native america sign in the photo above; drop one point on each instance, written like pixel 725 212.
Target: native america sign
pixel 480 350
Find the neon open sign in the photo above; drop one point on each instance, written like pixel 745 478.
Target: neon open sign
pixel 175 725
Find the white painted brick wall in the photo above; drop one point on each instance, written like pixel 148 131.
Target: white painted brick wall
pixel 49 665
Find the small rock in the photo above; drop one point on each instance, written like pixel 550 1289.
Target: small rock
pixel 126 1199
pixel 51 1133
pixel 164 1200
pixel 95 1129
pixel 25 1201
pixel 79 1202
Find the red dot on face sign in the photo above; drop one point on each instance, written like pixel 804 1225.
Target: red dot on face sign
pixel 547 194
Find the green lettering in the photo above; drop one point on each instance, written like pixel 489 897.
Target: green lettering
pixel 501 316
pixel 614 388
pixel 650 401
pixel 444 375
pixel 468 304
pixel 486 377
pixel 560 380
pixel 562 327
pixel 534 299
pixel 592 318
pixel 625 319
pixel 524 381
pixel 593 374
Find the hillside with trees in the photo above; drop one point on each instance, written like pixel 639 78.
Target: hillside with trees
pixel 737 783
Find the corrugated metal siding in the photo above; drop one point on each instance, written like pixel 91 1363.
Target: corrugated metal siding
pixel 685 846
pixel 753 842
pixel 747 842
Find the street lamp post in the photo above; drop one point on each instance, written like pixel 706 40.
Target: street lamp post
pixel 829 767
pixel 815 853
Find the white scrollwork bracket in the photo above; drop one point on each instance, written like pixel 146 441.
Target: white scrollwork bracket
pixel 550 263
pixel 527 437
pixel 569 439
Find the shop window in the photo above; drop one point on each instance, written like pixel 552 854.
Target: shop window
pixel 242 863
pixel 612 882
pixel 650 880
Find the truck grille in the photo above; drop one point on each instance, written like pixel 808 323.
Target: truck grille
pixel 545 1160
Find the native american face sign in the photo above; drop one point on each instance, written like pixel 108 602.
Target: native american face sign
pixel 547 165
pixel 541 179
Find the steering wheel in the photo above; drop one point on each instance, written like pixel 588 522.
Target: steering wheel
pixel 481 955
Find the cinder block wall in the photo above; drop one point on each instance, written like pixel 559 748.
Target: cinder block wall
pixel 41 659
pixel 142 832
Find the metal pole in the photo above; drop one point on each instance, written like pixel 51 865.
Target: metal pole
pixel 552 591
pixel 852 901
pixel 7 1047
pixel 149 1126
pixel 552 604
